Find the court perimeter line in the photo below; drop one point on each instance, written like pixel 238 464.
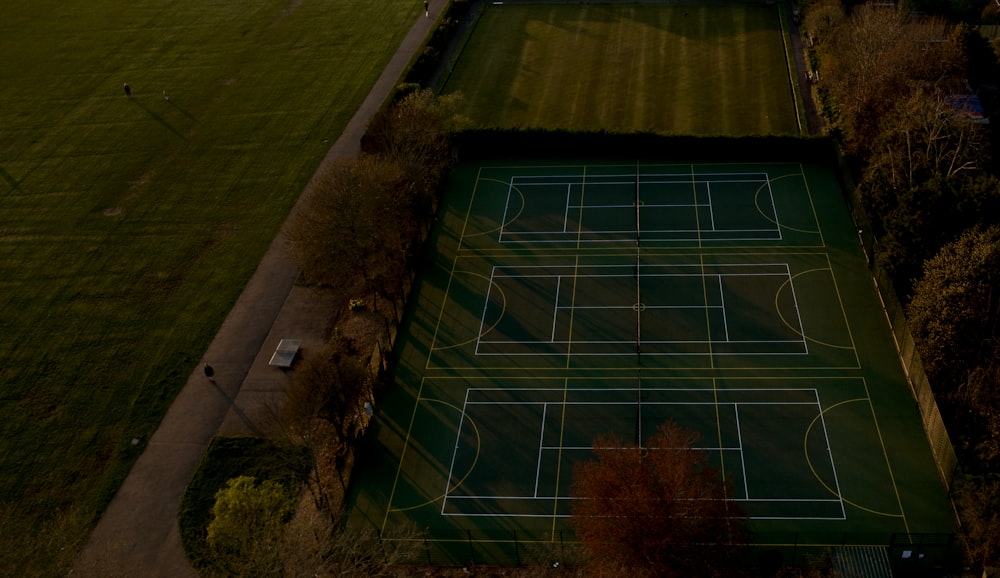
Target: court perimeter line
pixel 499 228
pixel 843 312
pixel 829 451
pixel 541 444
pixel 460 482
pixel 743 461
pixel 885 453
pixel 562 432
pixel 819 227
pixel 837 493
pixel 420 390
pixel 579 221
pixel 402 455
pixel 454 454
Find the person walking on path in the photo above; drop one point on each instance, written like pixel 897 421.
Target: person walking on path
pixel 138 532
pixel 427 9
pixel 128 90
pixel 210 373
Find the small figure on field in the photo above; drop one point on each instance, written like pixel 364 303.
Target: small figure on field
pixel 128 90
pixel 165 95
pixel 210 373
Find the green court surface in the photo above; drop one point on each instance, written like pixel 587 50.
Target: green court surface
pixel 565 301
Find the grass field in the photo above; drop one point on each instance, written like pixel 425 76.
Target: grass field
pixel 130 225
pixel 580 298
pixel 705 68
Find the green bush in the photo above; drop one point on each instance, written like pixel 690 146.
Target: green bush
pixel 225 459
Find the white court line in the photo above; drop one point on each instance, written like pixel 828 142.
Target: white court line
pixel 829 450
pixel 781 266
pixel 555 311
pixel 541 446
pixel 486 303
pixel 629 179
pixel 772 500
pixel 589 448
pixel 798 315
pixel 774 207
pixel 569 188
pixel 644 307
pixel 506 206
pixel 743 461
pixel 605 389
pixel 725 318
pixel 644 205
pixel 632 342
pixel 603 403
pixel 711 208
pixel 454 456
pixel 617 271
pixel 647 179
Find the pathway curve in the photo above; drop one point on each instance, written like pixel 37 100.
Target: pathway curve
pixel 138 534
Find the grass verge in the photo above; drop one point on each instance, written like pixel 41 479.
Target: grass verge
pixel 130 224
pixel 703 69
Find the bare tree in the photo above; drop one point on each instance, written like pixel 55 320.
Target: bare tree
pixel 324 407
pixel 924 136
pixel 316 547
pixel 659 510
pixel 879 55
pixel 416 133
pixel 352 221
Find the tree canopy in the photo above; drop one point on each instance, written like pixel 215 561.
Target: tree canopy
pixel 659 510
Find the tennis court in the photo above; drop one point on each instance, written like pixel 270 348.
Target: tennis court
pixel 569 301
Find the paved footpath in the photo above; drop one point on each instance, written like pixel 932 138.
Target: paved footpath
pixel 138 534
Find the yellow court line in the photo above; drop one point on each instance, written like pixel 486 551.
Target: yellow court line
pixel 805 451
pixel 427 363
pixel 763 214
pixel 402 454
pixel 885 453
pixel 503 310
pixel 499 227
pixel 697 212
pixel 625 250
pixel 579 221
pixel 552 540
pixel 843 311
pixel 524 203
pixel 475 428
pixel 451 275
pixel 562 432
pixel 801 334
pixel 812 205
pixel 708 319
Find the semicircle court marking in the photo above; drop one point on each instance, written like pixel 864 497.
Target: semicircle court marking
pixel 756 203
pixel 805 450
pixel 503 310
pixel 467 474
pixel 792 328
pixel 504 224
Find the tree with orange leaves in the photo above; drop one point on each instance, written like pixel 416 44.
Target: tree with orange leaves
pixel 659 510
